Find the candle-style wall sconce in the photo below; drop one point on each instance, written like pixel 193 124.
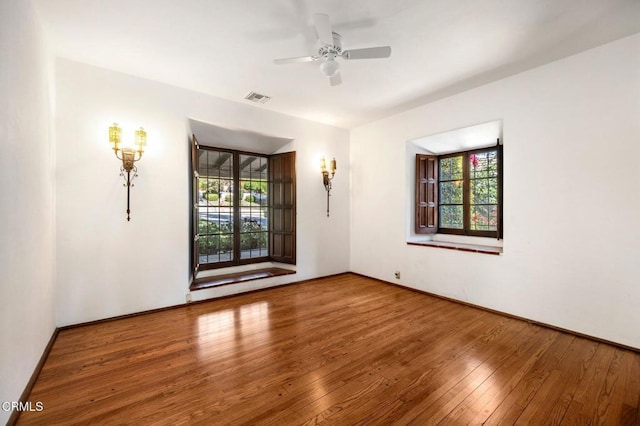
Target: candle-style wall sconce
pixel 326 180
pixel 128 155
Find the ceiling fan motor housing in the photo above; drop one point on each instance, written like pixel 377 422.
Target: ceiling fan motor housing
pixel 336 49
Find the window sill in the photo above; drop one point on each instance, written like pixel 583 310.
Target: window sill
pixel 237 277
pixel 474 248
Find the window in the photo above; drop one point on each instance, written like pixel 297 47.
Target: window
pixel 243 208
pixel 460 193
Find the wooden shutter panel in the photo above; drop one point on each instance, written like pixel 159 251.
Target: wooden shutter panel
pixel 282 218
pixel 426 216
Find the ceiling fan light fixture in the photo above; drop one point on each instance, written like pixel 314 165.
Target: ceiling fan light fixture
pixel 330 48
pixel 330 68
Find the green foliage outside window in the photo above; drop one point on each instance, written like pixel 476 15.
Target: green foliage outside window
pixel 483 191
pixel 451 192
pixel 259 186
pixel 217 238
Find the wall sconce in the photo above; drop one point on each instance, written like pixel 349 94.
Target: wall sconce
pixel 326 180
pixel 128 156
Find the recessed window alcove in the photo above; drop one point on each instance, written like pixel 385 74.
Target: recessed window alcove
pixel 243 204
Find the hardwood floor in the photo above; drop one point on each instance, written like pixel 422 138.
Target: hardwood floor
pixel 341 350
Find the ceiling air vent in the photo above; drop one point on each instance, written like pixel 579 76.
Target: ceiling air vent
pixel 257 97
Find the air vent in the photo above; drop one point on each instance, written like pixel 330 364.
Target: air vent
pixel 257 97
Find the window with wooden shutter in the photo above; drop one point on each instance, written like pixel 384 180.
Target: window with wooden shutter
pixel 243 208
pixel 460 193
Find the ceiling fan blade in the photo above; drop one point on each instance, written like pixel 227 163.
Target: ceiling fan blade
pixel 295 60
pixel 335 80
pixel 368 53
pixel 323 28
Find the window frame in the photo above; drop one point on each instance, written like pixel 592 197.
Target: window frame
pixel 235 211
pixel 429 198
pixel 237 260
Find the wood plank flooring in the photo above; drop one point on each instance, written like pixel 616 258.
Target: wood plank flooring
pixel 341 350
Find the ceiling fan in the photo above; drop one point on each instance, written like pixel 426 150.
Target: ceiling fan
pixel 331 48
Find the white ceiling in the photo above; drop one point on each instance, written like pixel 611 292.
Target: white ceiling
pixel 225 48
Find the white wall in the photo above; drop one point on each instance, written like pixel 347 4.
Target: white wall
pixel 26 198
pixel 571 196
pixel 107 266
